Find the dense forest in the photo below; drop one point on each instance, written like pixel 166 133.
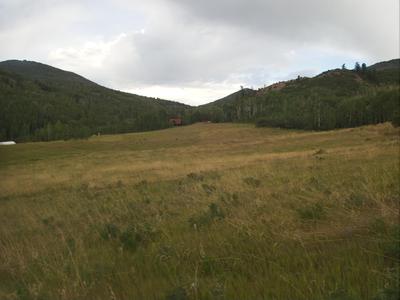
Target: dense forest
pixel 41 103
pixel 334 99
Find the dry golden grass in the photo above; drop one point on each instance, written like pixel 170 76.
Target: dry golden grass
pixel 208 211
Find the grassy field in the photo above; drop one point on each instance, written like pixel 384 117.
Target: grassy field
pixel 208 211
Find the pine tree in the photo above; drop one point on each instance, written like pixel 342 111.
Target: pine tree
pixel 357 67
pixel 364 67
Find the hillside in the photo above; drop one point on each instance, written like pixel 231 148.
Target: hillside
pixel 334 99
pixel 393 64
pixel 207 211
pixel 40 102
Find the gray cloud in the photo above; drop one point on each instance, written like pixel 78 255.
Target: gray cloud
pixel 195 51
pixel 371 26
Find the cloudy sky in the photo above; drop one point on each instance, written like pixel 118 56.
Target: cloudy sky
pixel 196 51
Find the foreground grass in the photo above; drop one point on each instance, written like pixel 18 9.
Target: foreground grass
pixel 208 211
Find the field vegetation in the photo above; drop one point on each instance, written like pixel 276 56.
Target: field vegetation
pixel 206 211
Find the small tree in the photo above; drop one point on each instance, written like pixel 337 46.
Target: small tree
pixel 357 67
pixel 344 67
pixel 364 67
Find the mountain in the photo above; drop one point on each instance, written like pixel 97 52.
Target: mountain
pixel 40 102
pixel 333 99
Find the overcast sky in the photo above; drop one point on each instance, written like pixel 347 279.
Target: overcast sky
pixel 196 51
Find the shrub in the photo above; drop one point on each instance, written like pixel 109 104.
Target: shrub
pixel 392 246
pixel 214 212
pixel 109 231
pixel 209 189
pixel 341 294
pixel 391 291
pixel 355 200
pixel 177 294
pixel 131 239
pixel 312 212
pixel 253 182
pixel 196 177
pixel 263 123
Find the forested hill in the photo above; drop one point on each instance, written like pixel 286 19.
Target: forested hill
pixel 39 102
pixel 334 99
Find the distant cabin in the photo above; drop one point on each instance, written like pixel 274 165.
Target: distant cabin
pixel 175 121
pixel 7 143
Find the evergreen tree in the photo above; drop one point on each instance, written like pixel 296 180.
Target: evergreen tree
pixel 364 67
pixel 357 67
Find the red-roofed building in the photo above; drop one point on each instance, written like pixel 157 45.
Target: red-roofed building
pixel 175 121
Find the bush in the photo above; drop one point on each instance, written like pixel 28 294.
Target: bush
pixel 209 189
pixel 263 123
pixel 253 182
pixel 109 231
pixel 131 239
pixel 312 212
pixel 214 212
pixel 177 294
pixel 196 177
pixel 355 200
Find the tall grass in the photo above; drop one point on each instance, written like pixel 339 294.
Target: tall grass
pixel 203 212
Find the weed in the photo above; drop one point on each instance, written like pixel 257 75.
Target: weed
pixel 109 231
pixel 355 200
pixel 214 212
pixel 177 294
pixel 195 177
pixel 131 238
pixel 313 211
pixel 48 221
pixel 378 226
pixel 253 182
pixel 392 245
pixel 319 152
pixel 209 189
pixel 341 294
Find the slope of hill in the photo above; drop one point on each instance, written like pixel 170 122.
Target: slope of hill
pixel 41 72
pixel 334 99
pixel 386 65
pixel 40 102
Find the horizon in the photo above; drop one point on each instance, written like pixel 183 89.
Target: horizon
pixel 196 53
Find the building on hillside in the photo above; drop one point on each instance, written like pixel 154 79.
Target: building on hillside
pixel 7 143
pixel 177 121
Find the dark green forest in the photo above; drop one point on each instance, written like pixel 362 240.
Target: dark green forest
pixel 42 103
pixel 337 98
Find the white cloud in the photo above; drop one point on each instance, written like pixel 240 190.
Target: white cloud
pixel 90 55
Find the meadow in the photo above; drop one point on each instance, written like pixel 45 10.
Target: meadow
pixel 206 211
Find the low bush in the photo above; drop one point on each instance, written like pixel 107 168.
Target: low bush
pixel 253 182
pixel 314 211
pixel 214 212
